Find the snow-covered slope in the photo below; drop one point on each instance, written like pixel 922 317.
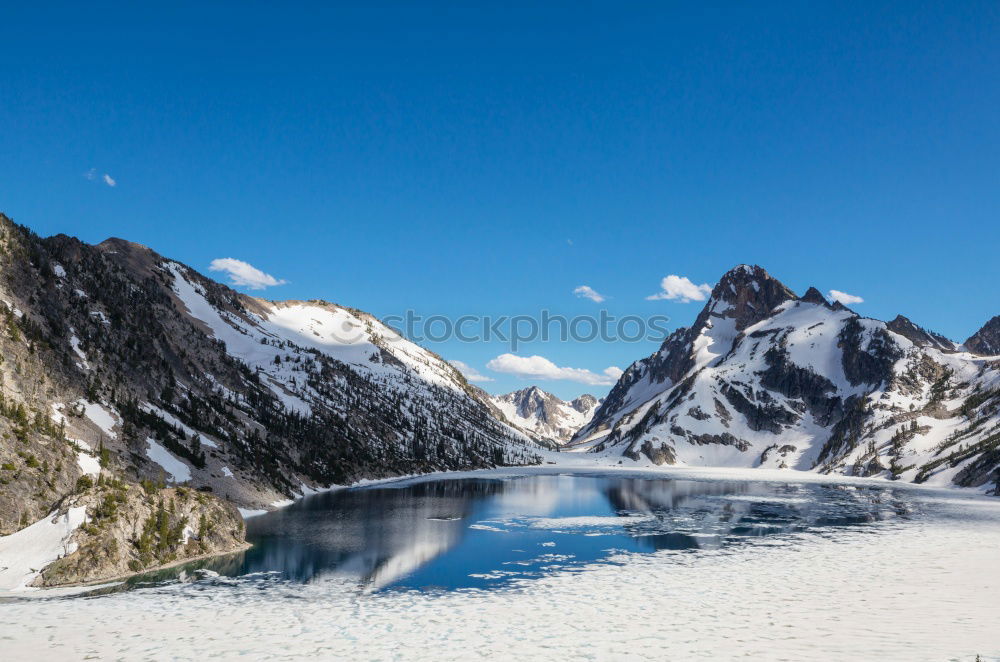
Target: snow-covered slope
pixel 175 377
pixel 281 340
pixel 356 399
pixel 767 379
pixel 26 552
pixel 543 415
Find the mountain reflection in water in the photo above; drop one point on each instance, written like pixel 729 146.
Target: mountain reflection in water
pixel 478 532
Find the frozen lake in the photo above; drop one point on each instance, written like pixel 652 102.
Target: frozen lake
pixel 587 565
pixel 483 532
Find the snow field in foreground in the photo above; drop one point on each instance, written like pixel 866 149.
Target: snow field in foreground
pixel 917 590
pixel 24 553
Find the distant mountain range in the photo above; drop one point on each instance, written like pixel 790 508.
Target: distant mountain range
pixel 124 374
pixel 765 378
pixel 545 417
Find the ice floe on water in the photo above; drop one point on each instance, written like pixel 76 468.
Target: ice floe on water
pixel 586 521
pixel 479 526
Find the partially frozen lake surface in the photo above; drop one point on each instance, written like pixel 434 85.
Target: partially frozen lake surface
pixel 602 565
pixel 486 531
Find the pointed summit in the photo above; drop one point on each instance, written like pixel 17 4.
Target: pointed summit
pixel 529 400
pixel 813 295
pixel 747 294
pixel 532 396
pixel 544 416
pixel 986 341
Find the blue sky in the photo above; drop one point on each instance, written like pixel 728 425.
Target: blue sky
pixel 491 160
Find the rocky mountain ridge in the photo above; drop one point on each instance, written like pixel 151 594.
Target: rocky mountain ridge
pixel 119 364
pixel 766 378
pixel 544 416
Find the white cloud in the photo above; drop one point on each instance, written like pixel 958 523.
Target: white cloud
pixel 614 372
pixel 539 367
pixel 845 298
pixel 682 289
pixel 91 175
pixel 243 274
pixel 470 373
pixel 587 292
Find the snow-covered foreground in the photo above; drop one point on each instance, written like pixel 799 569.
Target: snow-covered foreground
pixel 918 589
pixel 25 553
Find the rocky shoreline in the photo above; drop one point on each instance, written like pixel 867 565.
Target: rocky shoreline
pixel 135 528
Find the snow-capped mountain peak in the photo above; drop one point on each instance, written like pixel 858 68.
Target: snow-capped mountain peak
pixel 765 378
pixel 745 294
pixel 545 416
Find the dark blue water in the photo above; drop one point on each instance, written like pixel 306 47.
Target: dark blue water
pixel 477 533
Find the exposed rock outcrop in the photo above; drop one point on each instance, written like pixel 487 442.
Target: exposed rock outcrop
pixel 132 528
pixel 986 341
pixel 919 335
